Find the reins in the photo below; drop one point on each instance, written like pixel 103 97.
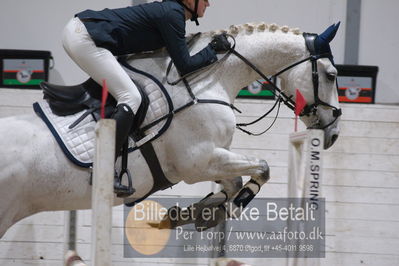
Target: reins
pixel 190 42
pixel 281 96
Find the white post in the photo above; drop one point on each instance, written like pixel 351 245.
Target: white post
pixel 306 148
pixel 103 193
pixel 305 175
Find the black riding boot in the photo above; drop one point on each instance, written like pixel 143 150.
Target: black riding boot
pixel 124 117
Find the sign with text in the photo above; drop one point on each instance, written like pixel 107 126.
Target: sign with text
pixel 260 230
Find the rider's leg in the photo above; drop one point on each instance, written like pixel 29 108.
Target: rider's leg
pixel 100 64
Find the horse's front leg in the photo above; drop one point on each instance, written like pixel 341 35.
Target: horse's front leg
pixel 215 203
pixel 230 187
pixel 193 213
pixel 226 166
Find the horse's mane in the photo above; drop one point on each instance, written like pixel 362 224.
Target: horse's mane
pixel 251 28
pixel 234 30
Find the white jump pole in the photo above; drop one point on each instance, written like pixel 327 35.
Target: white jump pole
pixel 305 174
pixel 305 149
pixel 103 193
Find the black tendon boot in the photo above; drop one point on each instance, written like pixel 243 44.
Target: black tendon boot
pixel 124 117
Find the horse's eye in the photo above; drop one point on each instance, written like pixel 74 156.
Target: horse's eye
pixel 331 76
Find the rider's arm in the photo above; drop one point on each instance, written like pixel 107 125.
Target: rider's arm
pixel 172 28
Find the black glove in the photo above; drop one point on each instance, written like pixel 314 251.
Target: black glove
pixel 220 44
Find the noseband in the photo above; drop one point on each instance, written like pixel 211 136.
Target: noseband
pixel 287 100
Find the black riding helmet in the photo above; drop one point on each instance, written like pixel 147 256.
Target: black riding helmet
pixel 194 13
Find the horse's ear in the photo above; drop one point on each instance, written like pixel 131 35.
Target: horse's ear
pixel 329 34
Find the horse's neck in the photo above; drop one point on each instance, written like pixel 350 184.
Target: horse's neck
pixel 270 52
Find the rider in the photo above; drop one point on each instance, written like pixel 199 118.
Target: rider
pixel 93 39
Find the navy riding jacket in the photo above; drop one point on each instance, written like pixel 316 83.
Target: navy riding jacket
pixel 146 27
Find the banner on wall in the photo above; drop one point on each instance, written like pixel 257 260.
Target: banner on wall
pixel 259 89
pixel 24 68
pixel 357 84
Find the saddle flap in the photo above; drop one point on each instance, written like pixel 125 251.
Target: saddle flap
pixel 62 109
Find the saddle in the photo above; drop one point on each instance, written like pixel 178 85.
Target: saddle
pixel 69 100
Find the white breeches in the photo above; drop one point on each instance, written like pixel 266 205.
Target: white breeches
pixel 99 64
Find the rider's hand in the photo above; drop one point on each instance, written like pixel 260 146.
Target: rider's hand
pixel 220 44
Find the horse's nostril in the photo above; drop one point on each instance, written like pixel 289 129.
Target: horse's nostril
pixel 334 138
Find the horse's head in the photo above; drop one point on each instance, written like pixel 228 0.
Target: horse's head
pixel 316 79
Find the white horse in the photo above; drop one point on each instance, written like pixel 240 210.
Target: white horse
pixel 36 176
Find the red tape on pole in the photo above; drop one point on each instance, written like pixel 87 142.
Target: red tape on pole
pixel 300 103
pixel 104 98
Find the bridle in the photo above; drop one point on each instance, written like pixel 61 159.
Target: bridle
pixel 310 44
pixel 281 96
pixel 287 100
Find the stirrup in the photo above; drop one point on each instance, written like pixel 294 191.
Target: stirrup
pixel 123 191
